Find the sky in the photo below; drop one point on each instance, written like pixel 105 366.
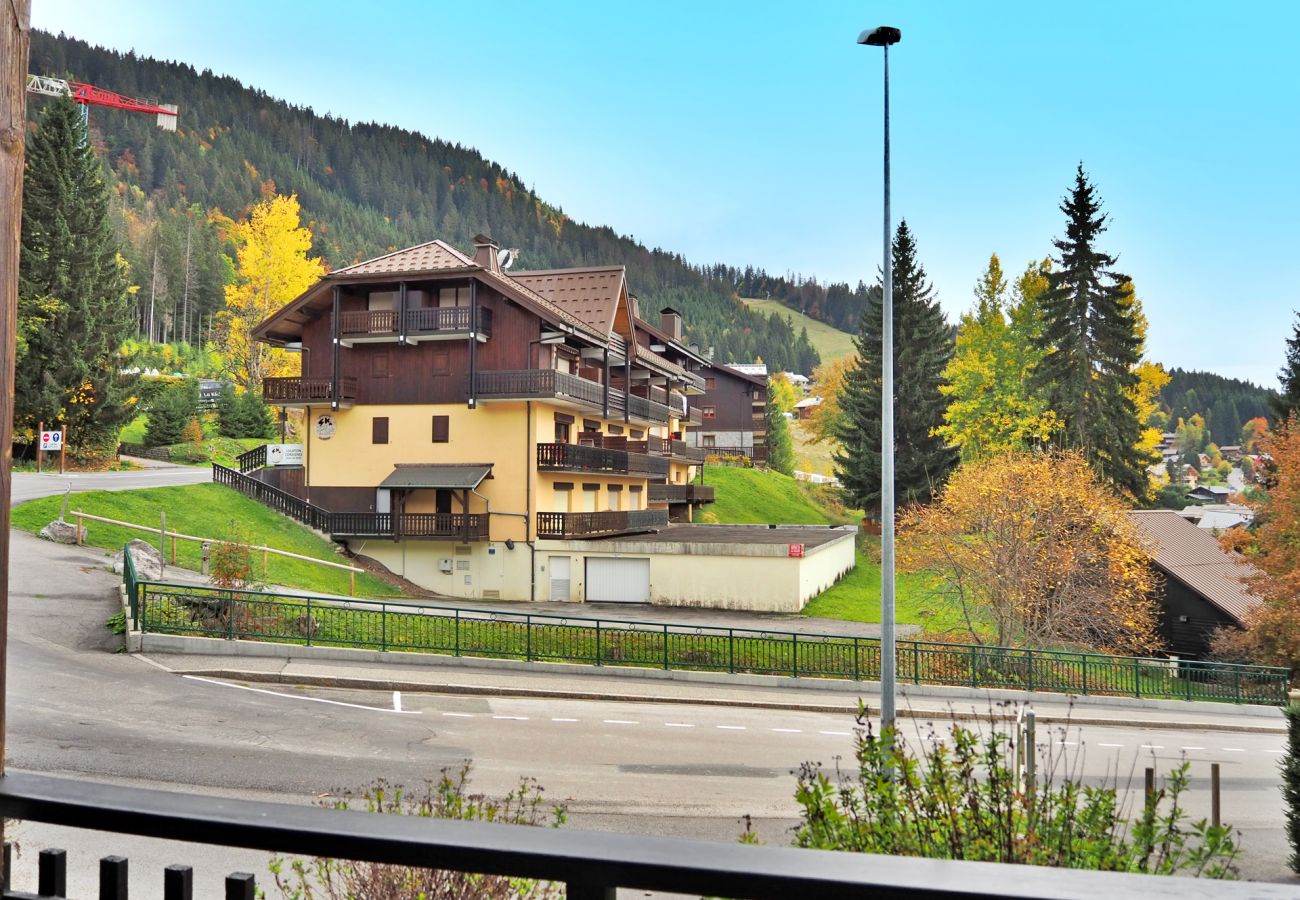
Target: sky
pixel 750 132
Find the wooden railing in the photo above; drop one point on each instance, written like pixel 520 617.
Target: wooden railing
pixel 408 525
pixel 681 493
pixel 597 524
pixel 308 390
pixel 579 458
pixel 355 323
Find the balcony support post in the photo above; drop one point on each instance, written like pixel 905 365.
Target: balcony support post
pixel 334 335
pixel 627 382
pixel 401 312
pixel 605 386
pixel 473 339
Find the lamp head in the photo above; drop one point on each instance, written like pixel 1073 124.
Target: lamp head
pixel 880 37
pixel 294 346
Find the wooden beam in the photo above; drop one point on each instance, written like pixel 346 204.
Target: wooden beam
pixel 335 382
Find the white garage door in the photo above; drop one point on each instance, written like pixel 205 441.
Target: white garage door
pixel 618 580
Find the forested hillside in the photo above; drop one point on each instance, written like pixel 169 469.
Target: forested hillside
pixel 366 188
pixel 1226 403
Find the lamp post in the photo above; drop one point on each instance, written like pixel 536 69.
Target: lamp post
pixel 883 37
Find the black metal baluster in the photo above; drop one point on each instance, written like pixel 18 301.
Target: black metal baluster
pixel 112 878
pixel 52 873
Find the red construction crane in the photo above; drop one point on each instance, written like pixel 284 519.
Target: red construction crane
pixel 88 94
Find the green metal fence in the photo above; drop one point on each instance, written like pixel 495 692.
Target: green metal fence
pixel 168 608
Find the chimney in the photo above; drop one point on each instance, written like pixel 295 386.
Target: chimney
pixel 485 253
pixel 670 320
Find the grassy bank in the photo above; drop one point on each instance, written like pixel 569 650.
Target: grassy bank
pixel 206 510
pixel 830 343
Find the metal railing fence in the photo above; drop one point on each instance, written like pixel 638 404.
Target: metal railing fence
pixel 167 608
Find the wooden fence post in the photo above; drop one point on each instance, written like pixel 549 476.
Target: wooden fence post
pixel 162 544
pixel 1214 795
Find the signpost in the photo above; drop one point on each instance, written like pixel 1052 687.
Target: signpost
pixel 52 441
pixel 284 454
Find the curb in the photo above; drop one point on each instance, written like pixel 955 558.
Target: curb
pixel 951 714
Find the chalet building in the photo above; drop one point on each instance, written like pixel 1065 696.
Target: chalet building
pixel 490 434
pixel 733 413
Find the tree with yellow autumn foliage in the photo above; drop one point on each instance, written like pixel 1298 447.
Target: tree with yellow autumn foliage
pixel 1034 550
pixel 272 268
pixel 827 383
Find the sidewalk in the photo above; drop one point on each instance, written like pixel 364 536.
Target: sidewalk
pixel 451 675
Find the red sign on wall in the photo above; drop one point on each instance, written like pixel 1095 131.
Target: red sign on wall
pixel 796 550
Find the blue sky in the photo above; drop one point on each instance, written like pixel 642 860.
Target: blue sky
pixel 749 132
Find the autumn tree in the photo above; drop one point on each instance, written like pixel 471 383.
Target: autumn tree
pixel 828 382
pixel 781 394
pixel 1034 550
pixel 922 348
pixel 1252 433
pixel 74 309
pixel 1092 329
pixel 272 268
pixel 993 405
pixel 1271 635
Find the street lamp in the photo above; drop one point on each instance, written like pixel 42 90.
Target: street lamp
pixel 883 37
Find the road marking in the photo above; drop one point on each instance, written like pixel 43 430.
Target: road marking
pixel 837 733
pixel 742 728
pixel 152 662
pixel 460 715
pixel 1274 751
pixel 621 722
pixel 240 687
pixel 564 720
pixel 678 725
pixel 397 701
pixel 1110 745
pixel 1191 748
pixel 788 730
pixel 1152 747
pixel 1233 750
pixel 513 718
pixel 1067 743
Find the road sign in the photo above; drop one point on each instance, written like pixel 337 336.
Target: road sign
pixel 51 440
pixel 796 551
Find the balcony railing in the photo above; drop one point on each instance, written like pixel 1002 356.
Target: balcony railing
pixel 694 416
pixel 592 865
pixel 758 453
pixel 599 524
pixel 579 458
pixel 681 493
pixel 471 527
pixel 301 391
pixel 360 324
pixel 548 383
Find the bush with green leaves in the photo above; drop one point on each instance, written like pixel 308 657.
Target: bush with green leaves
pixel 447 798
pixel 1291 783
pixel 171 410
pixel 961 798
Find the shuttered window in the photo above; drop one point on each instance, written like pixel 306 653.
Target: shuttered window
pixel 379 430
pixel 441 429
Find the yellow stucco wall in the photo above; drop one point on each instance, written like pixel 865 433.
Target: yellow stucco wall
pixel 485 570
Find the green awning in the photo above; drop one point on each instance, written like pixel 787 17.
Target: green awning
pixel 452 476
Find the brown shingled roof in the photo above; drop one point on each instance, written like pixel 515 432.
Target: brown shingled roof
pixel 1195 558
pixel 591 295
pixel 428 257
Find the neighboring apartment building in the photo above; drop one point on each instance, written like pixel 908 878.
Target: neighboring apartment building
pixel 489 434
pixel 733 412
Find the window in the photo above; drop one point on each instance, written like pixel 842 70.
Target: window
pixel 710 440
pixel 441 429
pixel 563 491
pixel 381 300
pixel 616 429
pixel 379 365
pixel 710 383
pixel 441 362
pixel 636 434
pixel 708 413
pixel 561 432
pixel 616 496
pixel 442 501
pixel 453 296
pixel 634 496
pixel 379 430
pixel 590 494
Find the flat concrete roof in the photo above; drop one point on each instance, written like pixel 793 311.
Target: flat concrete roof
pixel 808 535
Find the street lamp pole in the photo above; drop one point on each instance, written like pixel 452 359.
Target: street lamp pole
pixel 883 37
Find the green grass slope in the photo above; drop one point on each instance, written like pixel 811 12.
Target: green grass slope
pixel 830 343
pixel 206 510
pixel 758 497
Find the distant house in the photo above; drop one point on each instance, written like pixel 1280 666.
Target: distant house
pixel 1210 493
pixel 1203 587
pixel 801 382
pixel 1231 452
pixel 805 407
pixel 733 412
pixel 1218 516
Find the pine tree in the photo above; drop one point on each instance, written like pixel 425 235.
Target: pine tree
pixel 1289 401
pixel 780 446
pixel 1092 329
pixel 922 348
pixel 72 285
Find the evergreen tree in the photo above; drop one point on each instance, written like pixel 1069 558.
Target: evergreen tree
pixel 923 345
pixel 1289 401
pixel 256 416
pixel 170 412
pixel 780 446
pixel 230 413
pixel 72 282
pixel 1091 326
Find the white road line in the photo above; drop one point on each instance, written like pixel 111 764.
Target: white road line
pixel 837 733
pixel 742 728
pixel 1233 750
pixel 152 662
pixel 240 687
pixel 1067 743
pixel 1191 748
pixel 397 701
pixel 1274 751
pixel 1110 745
pixel 621 722
pixel 459 715
pixel 1152 747
pixel 678 725
pixel 564 720
pixel 788 730
pixel 513 718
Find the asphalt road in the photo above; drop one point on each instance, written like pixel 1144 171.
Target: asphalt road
pixel 78 708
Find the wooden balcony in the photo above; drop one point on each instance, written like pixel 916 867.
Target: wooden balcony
pixel 599 524
pixel 309 391
pixel 681 493
pixel 548 384
pixel 694 416
pixel 400 526
pixel 580 458
pixel 360 326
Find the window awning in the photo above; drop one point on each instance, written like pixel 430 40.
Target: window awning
pixel 452 476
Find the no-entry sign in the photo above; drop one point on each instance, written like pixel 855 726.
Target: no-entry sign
pixel 796 550
pixel 51 440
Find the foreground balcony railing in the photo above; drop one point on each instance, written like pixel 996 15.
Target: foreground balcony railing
pixel 599 524
pixel 592 865
pixel 681 493
pixel 471 527
pixel 520 384
pixel 359 325
pixel 302 391
pixel 580 458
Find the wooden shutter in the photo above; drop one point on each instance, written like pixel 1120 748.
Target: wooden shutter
pixel 441 429
pixel 379 430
